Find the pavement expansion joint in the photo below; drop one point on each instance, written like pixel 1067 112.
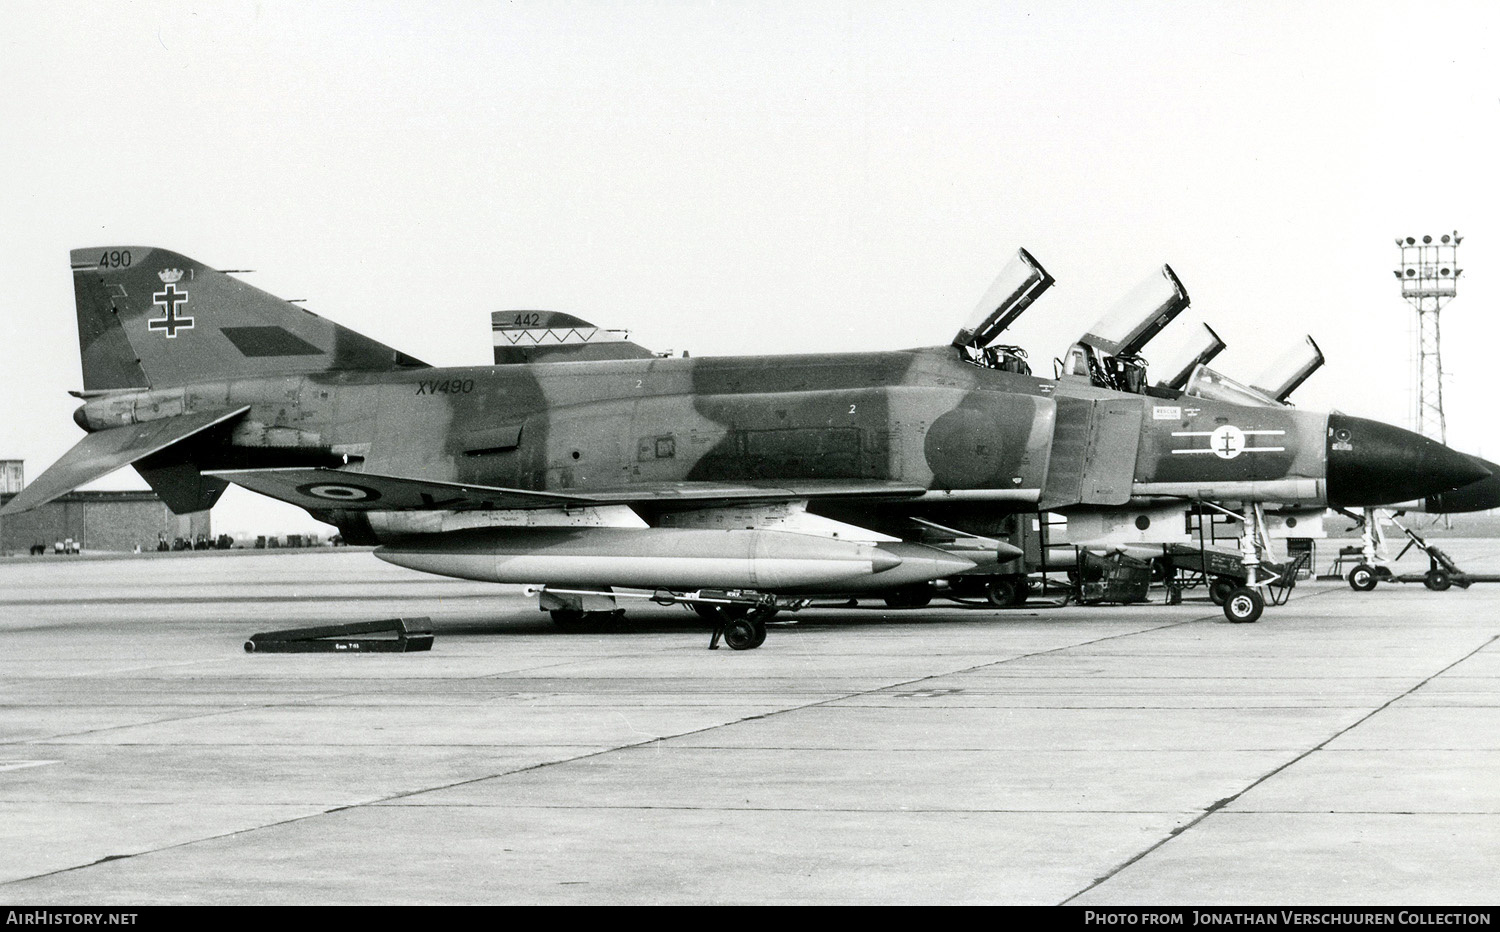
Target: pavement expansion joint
pixel 852 810
pixel 570 662
pixel 1414 813
pixel 182 844
pixel 162 665
pixel 172 719
pixel 978 775
pixel 1218 806
pixel 657 740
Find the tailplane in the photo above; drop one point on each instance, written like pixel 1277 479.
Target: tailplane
pixel 149 318
pixel 156 450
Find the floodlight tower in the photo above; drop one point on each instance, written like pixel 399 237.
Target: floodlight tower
pixel 1429 278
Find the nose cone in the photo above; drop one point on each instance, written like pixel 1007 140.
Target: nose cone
pixel 1370 463
pixel 1476 496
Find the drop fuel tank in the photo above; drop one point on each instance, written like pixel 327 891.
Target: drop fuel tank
pixel 672 558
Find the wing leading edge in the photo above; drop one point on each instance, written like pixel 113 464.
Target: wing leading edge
pixel 320 489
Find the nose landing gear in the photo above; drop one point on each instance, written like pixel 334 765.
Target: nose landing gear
pixel 1243 605
pixel 1265 580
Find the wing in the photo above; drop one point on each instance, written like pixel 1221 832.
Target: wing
pixel 321 489
pixel 104 451
pixel 702 494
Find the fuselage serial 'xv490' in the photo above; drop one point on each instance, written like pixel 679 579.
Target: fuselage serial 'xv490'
pixel 586 465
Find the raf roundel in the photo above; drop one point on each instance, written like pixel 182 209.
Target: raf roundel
pixel 339 492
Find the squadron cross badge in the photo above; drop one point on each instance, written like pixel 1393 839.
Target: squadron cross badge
pixel 1228 441
pixel 168 299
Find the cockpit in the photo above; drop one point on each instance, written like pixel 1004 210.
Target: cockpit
pixel 1109 354
pixel 1001 357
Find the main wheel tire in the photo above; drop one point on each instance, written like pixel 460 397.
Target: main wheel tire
pixel 1244 605
pixel 569 619
pixel 1362 578
pixel 1219 589
pixel 1001 592
pixel 965 587
pixel 914 596
pixel 1438 580
pixel 741 634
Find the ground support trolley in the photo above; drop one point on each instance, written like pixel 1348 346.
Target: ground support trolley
pixel 1442 573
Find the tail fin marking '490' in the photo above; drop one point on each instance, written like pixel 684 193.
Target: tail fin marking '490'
pixel 149 318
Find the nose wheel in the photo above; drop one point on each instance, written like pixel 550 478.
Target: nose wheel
pixel 1243 605
pixel 1265 580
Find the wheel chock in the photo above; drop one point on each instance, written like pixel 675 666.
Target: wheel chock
pixel 391 635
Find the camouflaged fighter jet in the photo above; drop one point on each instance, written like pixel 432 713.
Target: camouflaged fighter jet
pixel 732 481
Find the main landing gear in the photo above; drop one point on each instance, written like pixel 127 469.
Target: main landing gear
pixel 740 630
pixel 738 617
pixel 918 595
pixel 1004 591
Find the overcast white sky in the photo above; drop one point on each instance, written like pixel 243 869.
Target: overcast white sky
pixel 742 177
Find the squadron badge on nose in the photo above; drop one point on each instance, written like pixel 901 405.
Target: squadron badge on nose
pixel 1227 441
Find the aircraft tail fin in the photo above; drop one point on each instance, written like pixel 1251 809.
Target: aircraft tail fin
pixel 148 318
pixel 552 336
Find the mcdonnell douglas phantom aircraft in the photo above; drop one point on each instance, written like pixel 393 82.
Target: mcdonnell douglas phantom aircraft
pixel 726 483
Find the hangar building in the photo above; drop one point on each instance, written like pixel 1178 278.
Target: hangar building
pixel 118 521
